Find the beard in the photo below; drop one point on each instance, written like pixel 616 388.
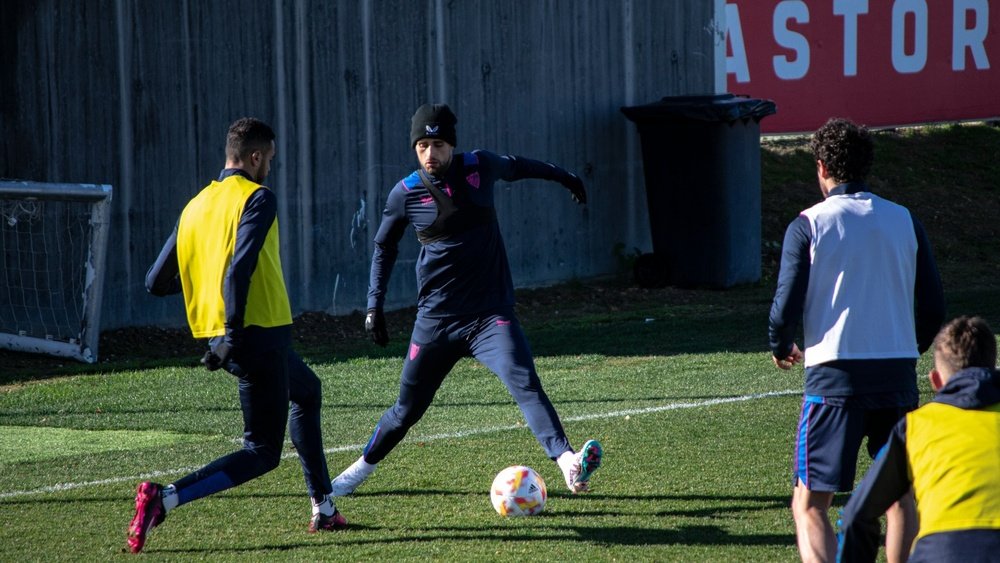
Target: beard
pixel 438 168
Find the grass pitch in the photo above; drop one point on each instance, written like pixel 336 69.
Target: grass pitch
pixel 697 467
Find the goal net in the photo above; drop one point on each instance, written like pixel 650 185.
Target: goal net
pixel 54 240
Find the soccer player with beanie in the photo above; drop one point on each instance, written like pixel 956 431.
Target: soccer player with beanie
pixel 224 257
pixel 465 294
pixel 857 271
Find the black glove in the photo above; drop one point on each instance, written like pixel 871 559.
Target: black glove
pixel 217 357
pixel 223 350
pixel 575 186
pixel 375 327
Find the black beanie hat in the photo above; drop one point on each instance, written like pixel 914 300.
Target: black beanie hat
pixel 435 121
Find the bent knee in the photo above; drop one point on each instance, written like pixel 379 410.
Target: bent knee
pixel 313 402
pixel 403 417
pixel 269 455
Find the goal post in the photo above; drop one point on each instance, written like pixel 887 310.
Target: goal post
pixel 54 240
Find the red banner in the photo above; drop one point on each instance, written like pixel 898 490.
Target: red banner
pixel 878 62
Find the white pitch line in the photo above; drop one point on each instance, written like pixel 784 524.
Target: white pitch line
pixel 448 435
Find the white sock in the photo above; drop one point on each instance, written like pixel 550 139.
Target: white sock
pixel 363 466
pixel 324 507
pixel 170 498
pixel 565 460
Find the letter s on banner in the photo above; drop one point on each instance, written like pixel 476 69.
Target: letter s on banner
pixel 783 67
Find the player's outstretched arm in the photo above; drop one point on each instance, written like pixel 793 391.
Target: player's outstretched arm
pixel 576 190
pixel 163 277
pixel 511 168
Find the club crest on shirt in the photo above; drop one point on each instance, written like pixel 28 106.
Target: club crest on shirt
pixel 473 180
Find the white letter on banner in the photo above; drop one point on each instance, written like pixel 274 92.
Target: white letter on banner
pixel 784 11
pixel 736 64
pixel 971 39
pixel 850 9
pixel 903 63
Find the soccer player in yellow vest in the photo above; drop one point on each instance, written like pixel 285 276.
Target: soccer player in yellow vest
pixel 223 255
pixel 948 451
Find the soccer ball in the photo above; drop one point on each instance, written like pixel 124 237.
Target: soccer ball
pixel 518 491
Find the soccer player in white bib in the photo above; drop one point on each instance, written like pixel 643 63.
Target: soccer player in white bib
pixel 858 273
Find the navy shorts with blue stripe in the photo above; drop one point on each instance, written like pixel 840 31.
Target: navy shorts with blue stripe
pixel 829 438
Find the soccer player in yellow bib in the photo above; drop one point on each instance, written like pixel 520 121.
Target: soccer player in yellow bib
pixel 948 451
pixel 224 257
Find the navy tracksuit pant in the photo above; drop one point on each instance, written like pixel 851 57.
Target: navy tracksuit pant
pixel 497 341
pixel 268 380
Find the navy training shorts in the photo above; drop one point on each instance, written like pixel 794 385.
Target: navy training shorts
pixel 829 438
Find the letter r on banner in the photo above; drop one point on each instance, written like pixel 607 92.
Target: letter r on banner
pixel 972 39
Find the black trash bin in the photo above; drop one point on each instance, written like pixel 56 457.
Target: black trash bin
pixel 701 157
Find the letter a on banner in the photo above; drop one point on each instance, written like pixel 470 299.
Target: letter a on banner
pixel 737 63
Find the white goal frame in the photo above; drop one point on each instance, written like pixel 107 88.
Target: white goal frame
pixel 41 199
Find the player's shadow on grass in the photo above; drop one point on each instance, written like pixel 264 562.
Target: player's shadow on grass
pixel 605 535
pixel 682 535
pixel 721 505
pixel 760 502
pixel 254 550
pixel 734 505
pixel 658 533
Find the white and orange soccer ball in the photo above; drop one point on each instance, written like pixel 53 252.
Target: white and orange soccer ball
pixel 518 491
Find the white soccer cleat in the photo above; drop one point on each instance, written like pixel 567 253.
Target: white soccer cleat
pixel 578 467
pixel 351 478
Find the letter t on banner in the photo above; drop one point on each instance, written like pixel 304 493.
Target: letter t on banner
pixel 850 10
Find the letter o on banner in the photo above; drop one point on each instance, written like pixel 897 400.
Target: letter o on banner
pixel 903 62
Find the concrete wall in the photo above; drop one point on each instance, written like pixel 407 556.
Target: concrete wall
pixel 138 94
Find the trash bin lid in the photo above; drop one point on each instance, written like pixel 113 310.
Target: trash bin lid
pixel 716 107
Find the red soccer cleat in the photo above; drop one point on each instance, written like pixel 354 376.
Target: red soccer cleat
pixel 323 522
pixel 149 513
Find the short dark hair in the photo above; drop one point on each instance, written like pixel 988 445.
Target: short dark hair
pixel 845 148
pixel 247 134
pixel 966 342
